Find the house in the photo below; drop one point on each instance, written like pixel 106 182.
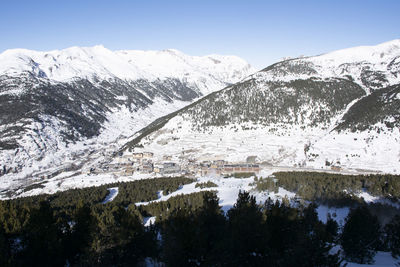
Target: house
pixel 137 155
pixel 124 159
pixel 171 167
pixel 219 163
pixel 240 168
pixel 127 171
pixel 336 168
pixel 158 168
pixel 167 157
pixel 146 167
pixel 148 155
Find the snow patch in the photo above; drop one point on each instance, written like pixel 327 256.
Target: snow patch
pixel 113 192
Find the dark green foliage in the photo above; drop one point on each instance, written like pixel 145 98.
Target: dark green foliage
pixel 42 238
pixel 250 235
pixel 193 229
pixel 162 210
pixel 296 237
pixel 334 189
pixel 74 226
pixel 392 231
pixel 146 190
pixel 245 226
pixel 361 236
pixel 180 239
pixel 207 184
pixel 211 230
pixel 119 237
pixel 266 184
pixel 5 248
pixel 81 234
pixel 332 229
pixel 280 101
pixel 192 237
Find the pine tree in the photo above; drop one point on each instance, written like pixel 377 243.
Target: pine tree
pixel 5 248
pixel 392 231
pixel 179 239
pixel 42 239
pixel 245 226
pixel 360 236
pixel 210 232
pixel 83 229
pixel 332 228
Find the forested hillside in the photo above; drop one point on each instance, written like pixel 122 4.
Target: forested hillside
pixel 78 228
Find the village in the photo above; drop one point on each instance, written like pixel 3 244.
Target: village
pixel 146 163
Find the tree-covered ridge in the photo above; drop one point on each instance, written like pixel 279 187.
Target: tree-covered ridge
pixel 309 102
pixel 199 232
pixel 129 193
pixel 329 187
pixel 70 229
pixel 291 67
pixel 162 210
pixel 381 106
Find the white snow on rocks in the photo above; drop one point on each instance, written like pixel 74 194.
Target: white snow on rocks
pixel 209 73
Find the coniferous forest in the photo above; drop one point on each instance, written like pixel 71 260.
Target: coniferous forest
pixel 76 228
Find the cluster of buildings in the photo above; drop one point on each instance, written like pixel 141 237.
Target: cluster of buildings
pixel 145 163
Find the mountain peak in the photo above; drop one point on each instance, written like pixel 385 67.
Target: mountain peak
pixel 85 62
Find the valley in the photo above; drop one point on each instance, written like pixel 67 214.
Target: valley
pixel 200 133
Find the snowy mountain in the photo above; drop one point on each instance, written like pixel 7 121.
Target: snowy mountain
pixel 59 106
pixel 337 109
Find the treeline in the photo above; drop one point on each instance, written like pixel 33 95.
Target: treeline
pixel 191 230
pixel 146 190
pixel 241 175
pixel 15 213
pixel 162 210
pixel 74 227
pixel 207 184
pixel 335 189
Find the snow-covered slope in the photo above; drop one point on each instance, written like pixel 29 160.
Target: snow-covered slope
pixel 58 106
pixel 206 73
pixel 341 109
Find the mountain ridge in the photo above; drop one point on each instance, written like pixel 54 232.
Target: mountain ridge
pixel 89 95
pixel 289 114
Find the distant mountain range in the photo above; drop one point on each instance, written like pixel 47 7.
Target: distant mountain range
pixel 339 109
pixel 59 105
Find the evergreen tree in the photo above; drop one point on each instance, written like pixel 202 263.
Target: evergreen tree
pixel 246 231
pixel 211 227
pixel 332 228
pixel 179 239
pixel 360 236
pixel 118 237
pixel 5 248
pixel 84 227
pixel 392 231
pixel 42 239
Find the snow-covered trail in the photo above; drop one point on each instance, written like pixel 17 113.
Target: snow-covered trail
pixel 113 192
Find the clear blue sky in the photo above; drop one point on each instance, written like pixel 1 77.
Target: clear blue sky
pixel 261 32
